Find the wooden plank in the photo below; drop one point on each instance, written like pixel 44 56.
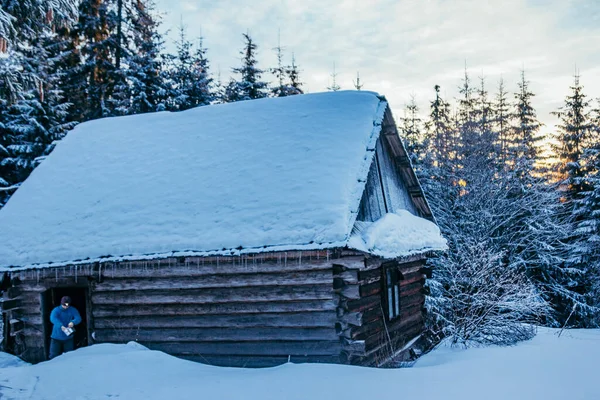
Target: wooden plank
pixel 129 310
pixel 309 319
pixel 216 295
pixel 118 335
pixel 265 348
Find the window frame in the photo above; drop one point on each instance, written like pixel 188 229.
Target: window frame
pixel 392 295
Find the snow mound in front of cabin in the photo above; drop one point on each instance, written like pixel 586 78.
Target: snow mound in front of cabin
pixel 548 367
pixel 397 235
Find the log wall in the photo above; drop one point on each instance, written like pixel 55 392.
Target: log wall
pixel 252 311
pixel 375 340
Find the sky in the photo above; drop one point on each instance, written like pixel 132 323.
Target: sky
pixel 402 48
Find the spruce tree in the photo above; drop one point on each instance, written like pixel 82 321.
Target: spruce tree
pixel 33 122
pixel 526 137
pixel 573 131
pixel 250 86
pixel 190 84
pixel 91 72
pixel 411 132
pixel 502 117
pixel 334 87
pixel 293 74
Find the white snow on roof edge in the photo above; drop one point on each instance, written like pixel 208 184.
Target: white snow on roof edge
pixel 396 235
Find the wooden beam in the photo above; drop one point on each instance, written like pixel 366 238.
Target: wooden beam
pixel 178 334
pixel 299 320
pixel 322 277
pixel 216 295
pixel 132 310
pixel 282 348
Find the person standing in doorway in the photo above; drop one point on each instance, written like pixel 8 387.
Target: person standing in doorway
pixel 64 318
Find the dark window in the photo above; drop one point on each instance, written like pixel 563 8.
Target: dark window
pixel 391 278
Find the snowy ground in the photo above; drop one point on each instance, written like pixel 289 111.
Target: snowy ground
pixel 547 367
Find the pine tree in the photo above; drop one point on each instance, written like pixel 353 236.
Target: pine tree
pixel 573 132
pixel 250 86
pixel 143 88
pixel 587 212
pixel 502 121
pixel 411 132
pixel 483 114
pixel 32 108
pixel 31 124
pixel 468 142
pixel 293 74
pixel 526 138
pixel 334 87
pixel 189 77
pixel 357 83
pixel 22 21
pixel 440 132
pixel 90 60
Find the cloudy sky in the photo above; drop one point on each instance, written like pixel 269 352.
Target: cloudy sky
pixel 402 48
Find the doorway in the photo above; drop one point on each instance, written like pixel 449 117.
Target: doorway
pixel 79 300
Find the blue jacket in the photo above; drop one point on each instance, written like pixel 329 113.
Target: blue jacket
pixel 61 317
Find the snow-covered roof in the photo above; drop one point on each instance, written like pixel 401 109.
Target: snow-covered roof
pixel 262 175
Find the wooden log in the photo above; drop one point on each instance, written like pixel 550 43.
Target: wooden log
pixel 361 304
pixel 406 287
pixel 119 335
pixel 370 289
pixel 409 267
pixel 349 291
pixel 307 320
pixel 354 346
pixel 216 295
pixel 394 329
pixel 383 353
pixel 201 268
pixel 218 281
pixel 370 276
pixel 130 310
pixel 351 318
pixel 264 348
pixel 8 305
pixel 379 324
pixel 416 276
pixel 35 319
pixel 257 361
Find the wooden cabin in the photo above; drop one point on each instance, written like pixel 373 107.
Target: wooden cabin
pixel 247 234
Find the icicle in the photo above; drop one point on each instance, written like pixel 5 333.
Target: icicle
pixel 76 274
pixel 327 255
pixel 285 260
pixel 217 261
pixel 300 259
pixel 56 274
pixel 100 272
